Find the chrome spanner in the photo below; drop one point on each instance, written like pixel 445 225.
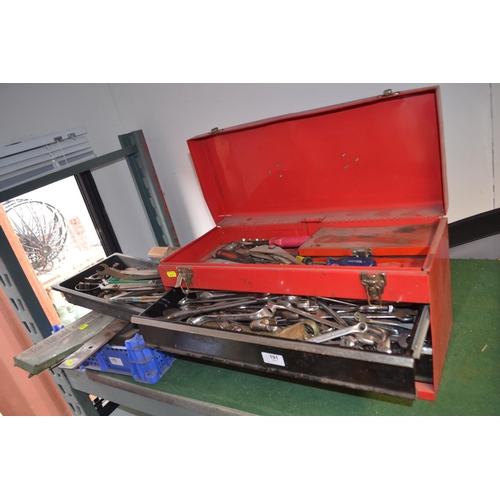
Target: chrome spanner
pixel 333 314
pixel 129 273
pixel 405 315
pixel 199 302
pixel 281 304
pixel 364 318
pixel 357 328
pixel 182 314
pixel 265 312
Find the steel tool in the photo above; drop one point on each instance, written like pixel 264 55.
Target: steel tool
pixel 345 261
pixel 273 253
pixel 265 312
pixel 265 325
pixel 333 314
pixel 315 319
pixel 406 315
pixel 357 328
pixel 182 314
pixel 234 252
pixel 280 241
pixel 351 261
pixel 362 317
pixel 129 273
pixel 300 331
pixel 282 304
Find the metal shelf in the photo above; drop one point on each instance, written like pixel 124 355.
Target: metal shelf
pixel 136 153
pixel 57 175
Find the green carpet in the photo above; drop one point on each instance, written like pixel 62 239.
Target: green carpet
pixel 470 382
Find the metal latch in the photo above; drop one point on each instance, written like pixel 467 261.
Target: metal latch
pixel 184 275
pixel 362 252
pixel 215 130
pixel 388 93
pixel 374 285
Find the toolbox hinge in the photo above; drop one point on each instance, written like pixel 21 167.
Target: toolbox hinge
pixel 184 275
pixel 374 285
pixel 362 252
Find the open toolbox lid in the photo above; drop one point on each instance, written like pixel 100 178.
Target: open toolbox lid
pixel 374 159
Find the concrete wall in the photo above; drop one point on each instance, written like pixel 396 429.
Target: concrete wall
pixel 169 114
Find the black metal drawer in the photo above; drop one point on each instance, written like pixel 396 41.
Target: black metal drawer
pixel 83 299
pixel 389 374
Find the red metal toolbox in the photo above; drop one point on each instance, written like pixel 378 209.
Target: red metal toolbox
pixel 363 179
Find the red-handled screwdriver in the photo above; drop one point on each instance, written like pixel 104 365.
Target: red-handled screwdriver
pixel 288 241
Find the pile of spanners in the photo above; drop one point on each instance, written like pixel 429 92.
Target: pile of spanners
pixel 321 320
pixel 128 285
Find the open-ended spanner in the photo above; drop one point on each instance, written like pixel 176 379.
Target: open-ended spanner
pixel 363 317
pixel 265 312
pixel 200 300
pixel 333 314
pixel 129 273
pixel 404 315
pixel 269 325
pixel 282 304
pixel 182 314
pixel 357 328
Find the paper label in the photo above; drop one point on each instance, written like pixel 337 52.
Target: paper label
pixel 115 361
pixel 273 359
pixel 171 274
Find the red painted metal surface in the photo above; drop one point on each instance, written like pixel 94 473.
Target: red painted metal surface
pixel 341 283
pixel 425 391
pixel 405 283
pixel 374 167
pixel 408 239
pixel 377 154
pixel 440 301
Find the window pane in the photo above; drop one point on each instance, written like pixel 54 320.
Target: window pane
pixel 58 236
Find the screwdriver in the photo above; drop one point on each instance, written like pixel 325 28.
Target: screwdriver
pixel 346 261
pixel 351 261
pixel 279 241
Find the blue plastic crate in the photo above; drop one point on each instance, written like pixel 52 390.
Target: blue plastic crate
pixel 144 364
